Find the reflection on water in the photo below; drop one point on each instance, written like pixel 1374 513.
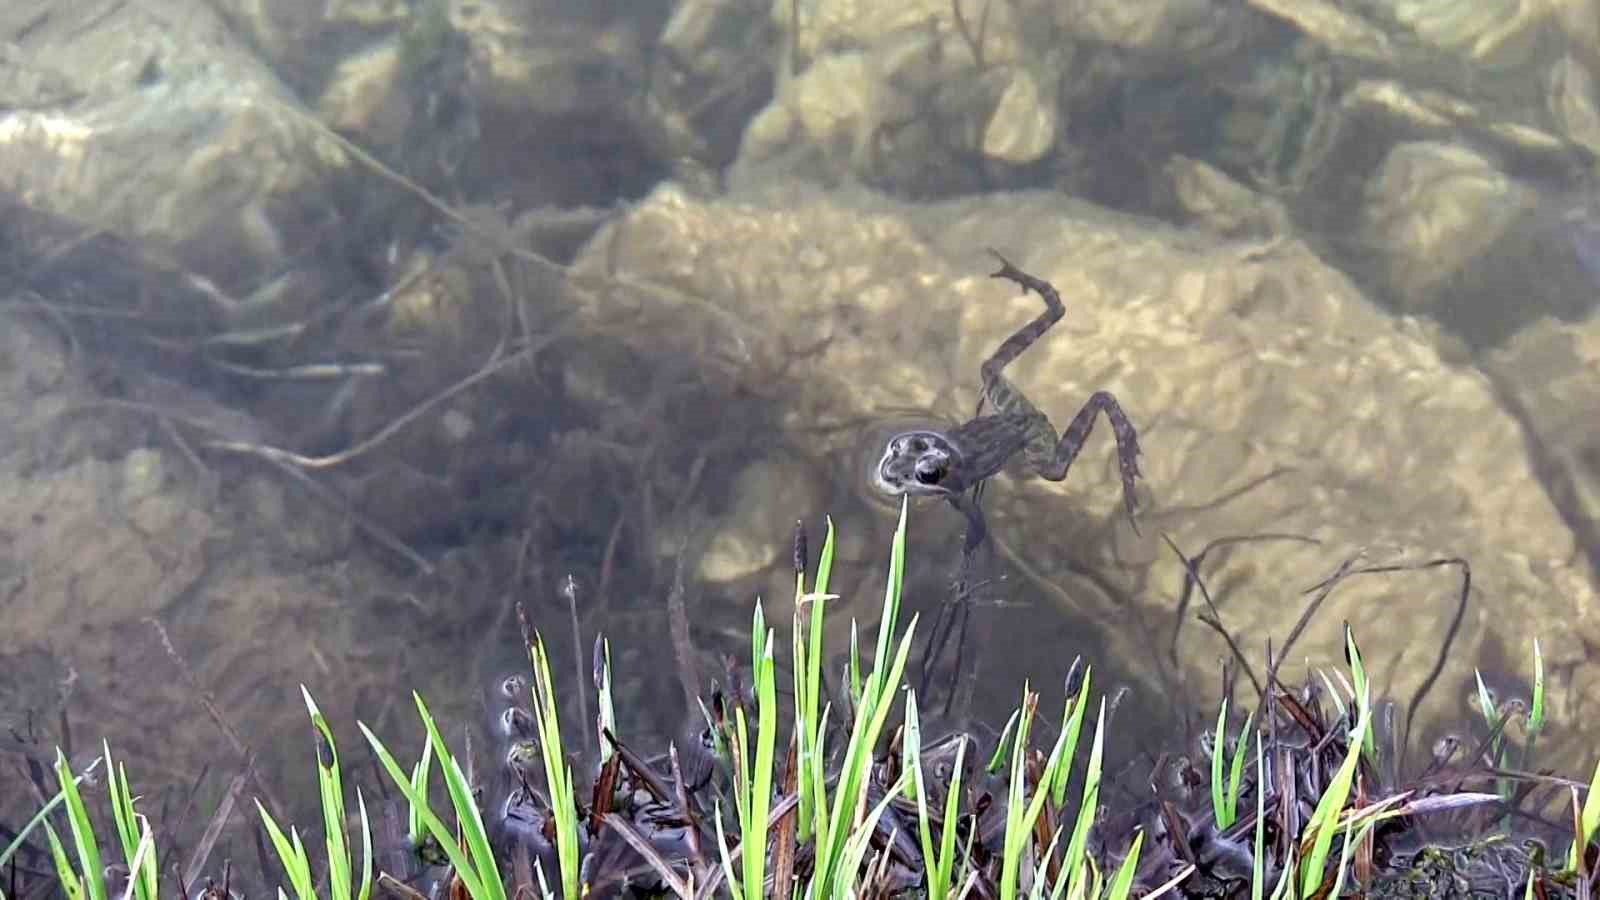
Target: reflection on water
pixel 329 337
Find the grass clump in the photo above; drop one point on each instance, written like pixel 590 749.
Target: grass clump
pixel 859 804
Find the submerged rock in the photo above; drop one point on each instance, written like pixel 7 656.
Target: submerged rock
pixel 1435 209
pixel 1272 397
pixel 170 132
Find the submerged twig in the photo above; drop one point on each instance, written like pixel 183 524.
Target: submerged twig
pixel 1348 569
pixel 641 845
pixel 1192 578
pixel 1192 566
pixel 277 454
pixel 208 840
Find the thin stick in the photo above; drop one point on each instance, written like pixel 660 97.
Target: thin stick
pixel 1193 564
pixel 208 841
pixel 642 847
pixel 1193 577
pixel 398 888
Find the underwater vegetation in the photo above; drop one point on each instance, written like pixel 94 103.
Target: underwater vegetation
pixel 830 795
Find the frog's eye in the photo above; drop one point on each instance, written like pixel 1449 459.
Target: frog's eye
pixel 919 445
pixel 512 687
pixel 515 722
pixel 929 472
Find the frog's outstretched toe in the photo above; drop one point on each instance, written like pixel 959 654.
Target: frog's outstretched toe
pixel 1011 273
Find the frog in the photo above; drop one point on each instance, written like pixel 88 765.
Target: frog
pixel 954 463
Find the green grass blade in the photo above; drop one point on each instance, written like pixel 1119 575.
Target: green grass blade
pixel 366 848
pixel 808 686
pixel 819 783
pixel 741 768
pixel 1091 802
pixel 71 884
pixel 1219 810
pixel 891 595
pixel 466 807
pixel 911 749
pixel 947 838
pixel 1285 885
pixel 1588 819
pixel 860 839
pixel 1018 827
pixel 931 860
pixel 291 853
pixel 873 698
pixel 142 877
pixel 143 855
pixel 37 820
pixel 82 831
pixel 464 865
pixel 1236 768
pixel 1002 747
pixel 1020 818
pixel 434 825
pixel 1360 692
pixel 1073 726
pixel 825 563
pixel 1486 705
pixel 1535 710
pixel 330 786
pixel 1060 758
pixel 872 713
pixel 754 828
pixel 733 883
pixel 1324 819
pixel 1344 859
pixel 1122 882
pixel 855 666
pixel 558 775
pixel 421 774
pixel 1036 890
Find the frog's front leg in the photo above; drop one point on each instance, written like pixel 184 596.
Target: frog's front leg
pixel 977 528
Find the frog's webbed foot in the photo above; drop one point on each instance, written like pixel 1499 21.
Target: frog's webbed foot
pixel 1009 272
pixel 1013 346
pixel 1077 432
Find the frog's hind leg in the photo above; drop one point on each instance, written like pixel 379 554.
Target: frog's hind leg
pixel 1024 337
pixel 1053 463
pixel 1050 457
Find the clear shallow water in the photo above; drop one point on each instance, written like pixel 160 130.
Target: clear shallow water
pixel 584 455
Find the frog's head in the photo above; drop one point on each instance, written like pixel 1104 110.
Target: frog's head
pixel 921 463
